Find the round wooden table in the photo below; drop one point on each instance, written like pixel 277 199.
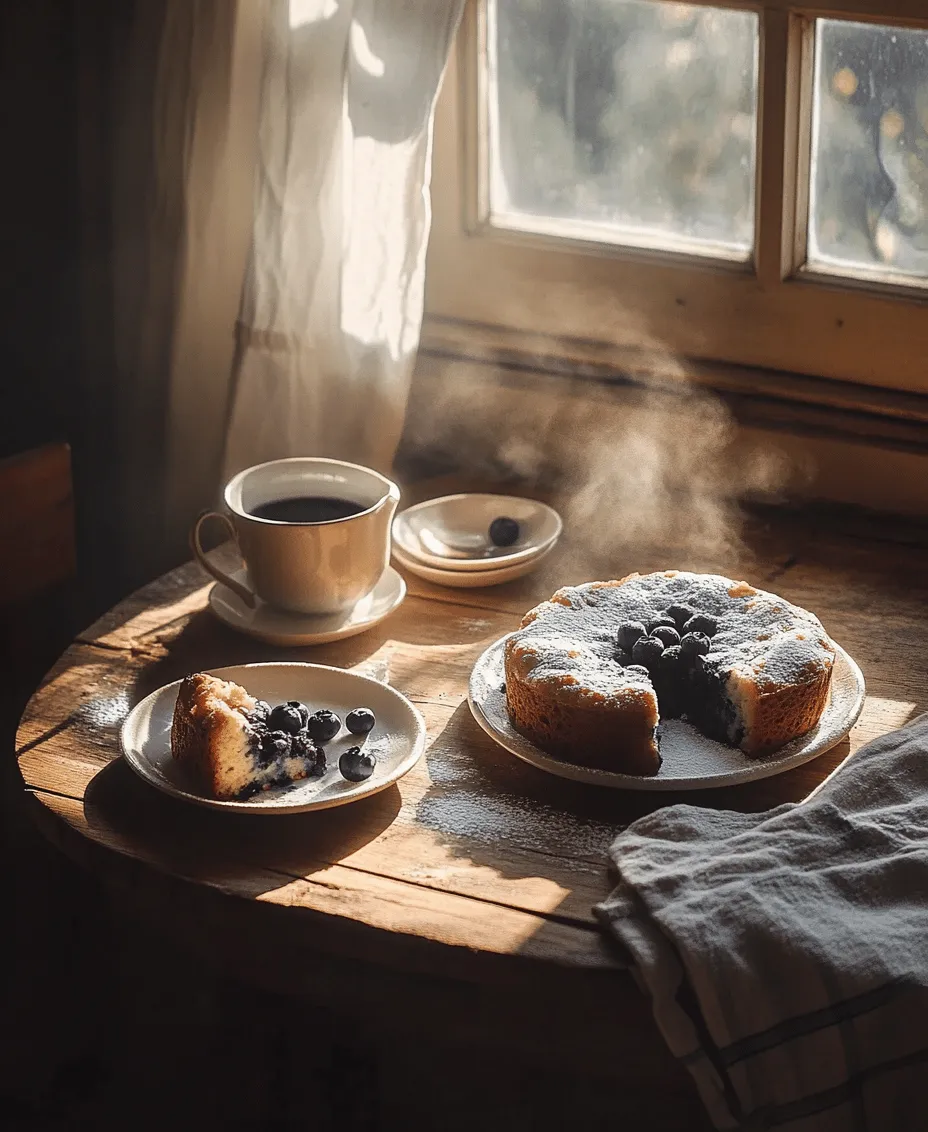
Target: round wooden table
pixel 465 891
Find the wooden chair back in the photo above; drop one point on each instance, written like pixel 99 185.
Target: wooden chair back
pixel 36 523
pixel 38 568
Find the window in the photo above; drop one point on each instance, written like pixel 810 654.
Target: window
pixel 869 179
pixel 631 123
pixel 742 184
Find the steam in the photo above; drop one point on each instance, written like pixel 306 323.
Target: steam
pixel 653 463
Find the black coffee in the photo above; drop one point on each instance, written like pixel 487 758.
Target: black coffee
pixel 308 509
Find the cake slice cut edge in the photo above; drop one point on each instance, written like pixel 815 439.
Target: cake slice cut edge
pixel 218 736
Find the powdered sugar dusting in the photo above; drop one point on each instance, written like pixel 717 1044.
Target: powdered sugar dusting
pixel 580 667
pixel 760 636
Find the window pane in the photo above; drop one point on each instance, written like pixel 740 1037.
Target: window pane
pixel 869 183
pixel 624 121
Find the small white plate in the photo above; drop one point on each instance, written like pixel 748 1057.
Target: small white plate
pixel 452 532
pixel 278 627
pixel 471 579
pixel 397 740
pixel 690 760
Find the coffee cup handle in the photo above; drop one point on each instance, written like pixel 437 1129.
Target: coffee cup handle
pixel 243 591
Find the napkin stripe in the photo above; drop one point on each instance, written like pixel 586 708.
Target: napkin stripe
pixel 847 1033
pixel 802 1024
pixel 688 1002
pixel 815 1103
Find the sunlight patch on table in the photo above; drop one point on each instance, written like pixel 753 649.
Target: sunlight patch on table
pixel 400 907
pixel 152 619
pixel 92 693
pixel 881 715
pixel 878 717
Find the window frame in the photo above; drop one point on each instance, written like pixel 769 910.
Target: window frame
pixel 770 312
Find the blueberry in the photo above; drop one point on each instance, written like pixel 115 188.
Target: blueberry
pixel 323 726
pixel 285 718
pixel 680 613
pixel 302 745
pixel 260 712
pixel 360 721
pixel 624 658
pixel 276 745
pixel 503 531
pixel 269 745
pixel 647 652
pixel 356 765
pixel 666 635
pixel 701 623
pixel 663 619
pixel 319 767
pixel 638 669
pixel 695 644
pixel 301 708
pixel 670 683
pixel 629 633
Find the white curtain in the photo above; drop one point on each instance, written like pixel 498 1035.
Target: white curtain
pixel 332 302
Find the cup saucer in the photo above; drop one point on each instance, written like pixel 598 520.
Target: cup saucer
pixel 277 627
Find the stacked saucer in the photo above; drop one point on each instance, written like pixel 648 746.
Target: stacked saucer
pixel 474 540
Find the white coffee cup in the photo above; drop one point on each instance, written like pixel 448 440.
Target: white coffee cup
pixel 320 566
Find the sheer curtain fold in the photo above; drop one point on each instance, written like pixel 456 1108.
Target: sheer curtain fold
pixel 264 162
pixel 168 112
pixel 332 302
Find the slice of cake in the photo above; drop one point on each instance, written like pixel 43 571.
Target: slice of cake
pixel 220 733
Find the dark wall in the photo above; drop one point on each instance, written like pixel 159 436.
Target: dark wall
pixel 58 72
pixel 39 317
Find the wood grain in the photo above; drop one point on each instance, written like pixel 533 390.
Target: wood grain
pixel 397 989
pixel 476 866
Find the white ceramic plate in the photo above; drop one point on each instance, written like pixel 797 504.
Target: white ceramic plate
pixel 451 533
pixel 471 579
pixel 397 739
pixel 298 630
pixel 690 761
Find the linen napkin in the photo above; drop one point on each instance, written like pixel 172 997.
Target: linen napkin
pixel 786 953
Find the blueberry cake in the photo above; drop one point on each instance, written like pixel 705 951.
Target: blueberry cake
pixel 590 673
pixel 235 745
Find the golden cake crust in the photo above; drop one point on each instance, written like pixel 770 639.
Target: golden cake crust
pixel 201 715
pixel 586 731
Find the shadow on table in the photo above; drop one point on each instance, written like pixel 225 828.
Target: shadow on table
pixel 482 798
pixel 194 840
